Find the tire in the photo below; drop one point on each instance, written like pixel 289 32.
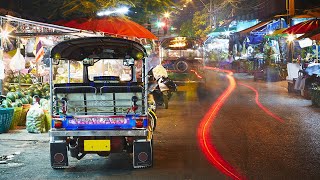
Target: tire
pixel 181 66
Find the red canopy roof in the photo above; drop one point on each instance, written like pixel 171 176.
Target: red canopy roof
pixel 303 27
pixel 120 26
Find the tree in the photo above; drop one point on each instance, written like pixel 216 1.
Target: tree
pixel 200 24
pixel 186 29
pixel 90 7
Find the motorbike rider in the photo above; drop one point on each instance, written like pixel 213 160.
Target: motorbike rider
pixel 161 92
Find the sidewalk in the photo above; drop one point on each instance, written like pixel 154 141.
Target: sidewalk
pixel 21 134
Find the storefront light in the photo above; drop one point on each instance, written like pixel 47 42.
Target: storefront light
pixel 166 14
pixel 290 38
pixel 4 34
pixel 120 10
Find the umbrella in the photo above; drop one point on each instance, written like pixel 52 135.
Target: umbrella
pixel 113 25
pixel 303 27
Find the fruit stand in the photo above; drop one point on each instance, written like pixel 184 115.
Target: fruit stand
pixel 24 68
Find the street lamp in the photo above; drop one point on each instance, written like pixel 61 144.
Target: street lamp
pixel 290 39
pixel 120 10
pixel 166 14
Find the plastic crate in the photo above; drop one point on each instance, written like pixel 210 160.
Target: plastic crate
pixel 23 117
pixel 6 115
pixel 16 117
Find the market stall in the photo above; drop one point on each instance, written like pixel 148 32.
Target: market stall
pixel 24 73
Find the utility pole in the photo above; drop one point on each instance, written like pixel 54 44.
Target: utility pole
pixel 290 10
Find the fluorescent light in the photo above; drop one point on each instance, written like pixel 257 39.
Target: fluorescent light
pixel 120 10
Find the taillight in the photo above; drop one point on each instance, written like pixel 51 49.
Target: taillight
pixel 139 123
pixel 57 124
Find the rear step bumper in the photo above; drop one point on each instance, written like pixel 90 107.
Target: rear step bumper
pixel 63 133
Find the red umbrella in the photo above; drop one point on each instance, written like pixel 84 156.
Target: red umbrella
pixel 111 25
pixel 303 27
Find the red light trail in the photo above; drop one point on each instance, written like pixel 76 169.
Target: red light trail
pixel 266 110
pixel 196 73
pixel 204 136
pixel 204 131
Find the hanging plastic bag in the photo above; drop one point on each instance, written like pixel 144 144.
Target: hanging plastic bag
pixel 17 62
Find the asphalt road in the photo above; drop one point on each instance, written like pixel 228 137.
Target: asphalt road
pixel 251 142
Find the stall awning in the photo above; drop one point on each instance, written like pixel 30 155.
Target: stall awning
pixel 304 27
pixel 314 35
pixel 248 30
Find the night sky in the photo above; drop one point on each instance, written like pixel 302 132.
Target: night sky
pixel 25 8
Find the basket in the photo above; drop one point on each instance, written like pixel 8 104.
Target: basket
pixel 5 119
pixel 16 117
pixel 23 117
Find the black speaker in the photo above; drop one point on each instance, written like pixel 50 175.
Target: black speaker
pixel 142 154
pixel 59 156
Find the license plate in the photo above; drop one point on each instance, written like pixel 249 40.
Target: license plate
pixel 97 145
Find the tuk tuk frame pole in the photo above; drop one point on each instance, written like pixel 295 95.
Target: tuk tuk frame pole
pixel 1 51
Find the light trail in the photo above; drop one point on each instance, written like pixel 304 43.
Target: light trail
pixel 204 136
pixel 266 110
pixel 196 73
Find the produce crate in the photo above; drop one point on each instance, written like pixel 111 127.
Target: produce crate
pixel 6 115
pixel 48 120
pixel 23 117
pixel 16 117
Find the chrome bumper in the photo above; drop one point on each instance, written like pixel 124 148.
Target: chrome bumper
pixel 65 133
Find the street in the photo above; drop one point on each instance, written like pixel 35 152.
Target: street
pixel 274 137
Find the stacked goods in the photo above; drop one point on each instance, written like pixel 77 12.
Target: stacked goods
pixel 11 82
pixel 21 98
pixel 15 100
pixel 41 90
pixel 35 122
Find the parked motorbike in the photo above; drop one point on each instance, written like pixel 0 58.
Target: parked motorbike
pixel 161 91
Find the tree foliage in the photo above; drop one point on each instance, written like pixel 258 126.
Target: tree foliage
pixel 52 10
pixel 89 7
pixel 187 29
pixel 200 23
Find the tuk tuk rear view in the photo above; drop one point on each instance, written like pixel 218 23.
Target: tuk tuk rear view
pixel 99 100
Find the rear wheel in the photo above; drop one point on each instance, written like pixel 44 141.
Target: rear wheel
pixel 181 66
